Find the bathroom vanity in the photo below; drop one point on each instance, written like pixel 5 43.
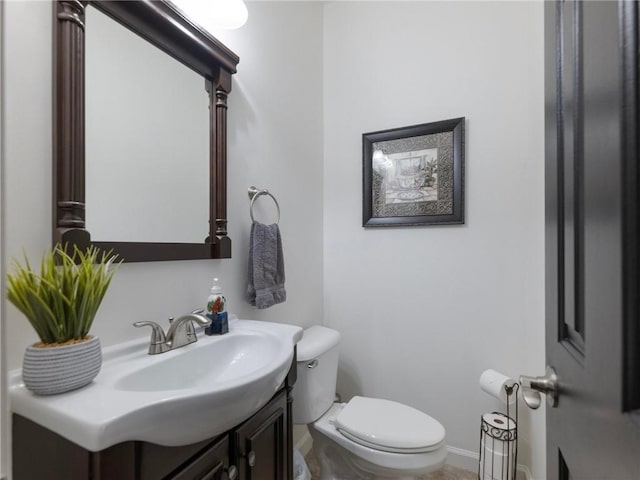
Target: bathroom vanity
pixel 260 448
pixel 219 408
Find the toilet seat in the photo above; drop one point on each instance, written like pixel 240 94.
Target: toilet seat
pixel 402 464
pixel 389 426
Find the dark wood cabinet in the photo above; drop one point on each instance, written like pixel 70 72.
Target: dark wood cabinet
pixel 212 464
pixel 257 449
pixel 204 460
pixel 259 445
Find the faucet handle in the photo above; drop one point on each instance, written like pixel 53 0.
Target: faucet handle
pixel 190 331
pixel 158 342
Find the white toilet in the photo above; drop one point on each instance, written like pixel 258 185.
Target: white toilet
pixel 365 438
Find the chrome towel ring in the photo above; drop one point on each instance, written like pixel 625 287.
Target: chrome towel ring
pixel 254 193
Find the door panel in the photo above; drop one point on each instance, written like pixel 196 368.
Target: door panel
pixel 259 443
pixel 209 465
pixel 588 240
pixel 563 473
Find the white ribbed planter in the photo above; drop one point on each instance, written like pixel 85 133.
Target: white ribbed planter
pixel 52 370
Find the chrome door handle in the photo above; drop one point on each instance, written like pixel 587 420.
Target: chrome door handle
pixel 532 387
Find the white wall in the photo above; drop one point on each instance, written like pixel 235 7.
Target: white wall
pixel 424 310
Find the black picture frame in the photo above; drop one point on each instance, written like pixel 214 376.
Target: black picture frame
pixel 414 175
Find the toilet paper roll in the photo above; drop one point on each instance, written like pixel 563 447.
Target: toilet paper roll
pixel 493 383
pixel 497 457
pixel 499 421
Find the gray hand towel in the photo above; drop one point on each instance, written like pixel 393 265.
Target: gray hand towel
pixel 266 266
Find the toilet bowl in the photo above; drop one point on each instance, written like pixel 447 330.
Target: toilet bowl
pixel 365 438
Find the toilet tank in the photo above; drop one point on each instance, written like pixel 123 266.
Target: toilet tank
pixel 315 388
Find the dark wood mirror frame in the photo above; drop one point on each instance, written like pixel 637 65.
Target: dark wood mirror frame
pixel 161 24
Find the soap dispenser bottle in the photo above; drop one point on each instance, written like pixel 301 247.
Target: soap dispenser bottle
pixel 216 312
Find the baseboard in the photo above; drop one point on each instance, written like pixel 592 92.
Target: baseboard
pixel 526 473
pixel 468 460
pixel 304 444
pixel 462 459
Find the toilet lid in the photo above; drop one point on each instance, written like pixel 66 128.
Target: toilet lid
pixel 389 426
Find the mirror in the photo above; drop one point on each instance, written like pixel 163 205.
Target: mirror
pixel 117 155
pixel 130 85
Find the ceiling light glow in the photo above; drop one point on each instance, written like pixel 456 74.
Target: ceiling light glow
pixel 214 14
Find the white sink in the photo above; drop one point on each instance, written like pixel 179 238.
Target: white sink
pixel 174 398
pixel 230 358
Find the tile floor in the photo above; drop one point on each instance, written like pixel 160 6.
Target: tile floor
pixel 447 473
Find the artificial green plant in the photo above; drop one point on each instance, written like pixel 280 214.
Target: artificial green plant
pixel 62 300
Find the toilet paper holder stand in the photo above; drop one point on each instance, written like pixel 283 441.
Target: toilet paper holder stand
pixel 499 443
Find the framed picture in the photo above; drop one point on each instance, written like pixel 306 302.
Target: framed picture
pixel 414 175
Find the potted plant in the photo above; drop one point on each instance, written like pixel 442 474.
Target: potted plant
pixel 60 303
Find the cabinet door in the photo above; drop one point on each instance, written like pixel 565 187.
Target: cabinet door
pixel 209 465
pixel 260 443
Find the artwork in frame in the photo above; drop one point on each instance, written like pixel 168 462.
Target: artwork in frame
pixel 414 175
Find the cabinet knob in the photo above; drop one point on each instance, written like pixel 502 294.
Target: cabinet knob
pixel 251 458
pixel 232 472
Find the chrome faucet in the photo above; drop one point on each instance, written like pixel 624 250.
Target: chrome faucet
pixel 180 333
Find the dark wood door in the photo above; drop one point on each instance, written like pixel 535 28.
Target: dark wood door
pixel 259 443
pixel 592 339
